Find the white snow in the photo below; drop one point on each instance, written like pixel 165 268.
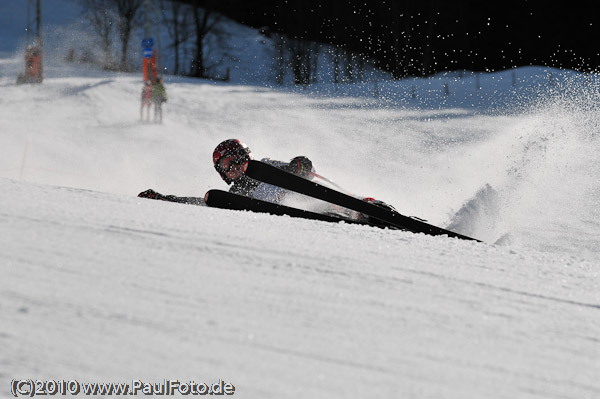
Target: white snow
pixel 99 285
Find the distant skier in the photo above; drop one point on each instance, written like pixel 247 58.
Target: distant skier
pixel 146 100
pixel 229 158
pixel 34 71
pixel 159 96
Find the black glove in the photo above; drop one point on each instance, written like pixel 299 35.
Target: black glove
pixel 150 194
pixel 301 166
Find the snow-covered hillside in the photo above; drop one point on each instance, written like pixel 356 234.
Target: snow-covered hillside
pixel 101 286
pixel 104 287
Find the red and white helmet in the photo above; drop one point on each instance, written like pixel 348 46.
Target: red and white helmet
pixel 229 148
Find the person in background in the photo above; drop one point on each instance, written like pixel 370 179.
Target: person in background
pixel 159 96
pixel 146 100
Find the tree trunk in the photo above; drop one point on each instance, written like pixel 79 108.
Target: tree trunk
pixel 127 11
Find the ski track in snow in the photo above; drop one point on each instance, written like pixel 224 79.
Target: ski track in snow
pixel 98 285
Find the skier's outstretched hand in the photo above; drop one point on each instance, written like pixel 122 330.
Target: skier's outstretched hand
pixel 301 166
pixel 150 194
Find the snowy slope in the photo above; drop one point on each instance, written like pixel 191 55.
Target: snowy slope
pixel 83 131
pixel 105 287
pixel 98 285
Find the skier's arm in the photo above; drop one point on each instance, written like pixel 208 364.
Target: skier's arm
pixel 151 194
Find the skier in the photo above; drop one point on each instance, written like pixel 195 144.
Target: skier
pixel 146 100
pixel 159 96
pixel 229 158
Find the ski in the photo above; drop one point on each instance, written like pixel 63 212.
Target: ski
pixel 226 200
pixel 277 177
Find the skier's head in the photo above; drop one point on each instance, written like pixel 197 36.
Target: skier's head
pixel 229 158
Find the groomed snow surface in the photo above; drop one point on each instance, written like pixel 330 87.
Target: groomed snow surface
pixel 101 286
